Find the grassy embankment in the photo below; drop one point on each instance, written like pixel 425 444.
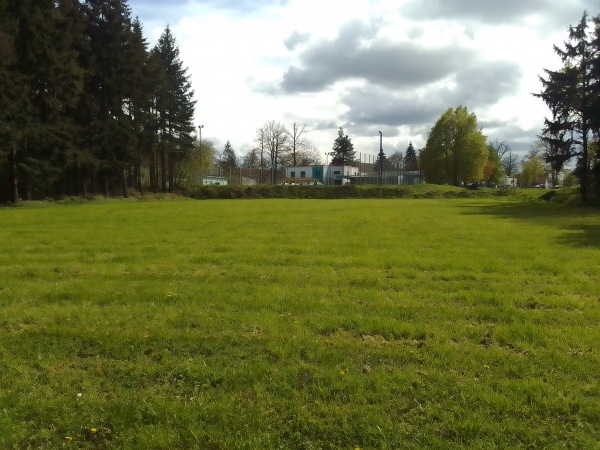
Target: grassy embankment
pixel 445 323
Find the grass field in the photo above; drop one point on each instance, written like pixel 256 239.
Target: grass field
pixel 300 324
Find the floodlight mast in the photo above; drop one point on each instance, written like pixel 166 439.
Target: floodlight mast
pixel 381 156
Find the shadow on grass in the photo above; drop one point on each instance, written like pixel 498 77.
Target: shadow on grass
pixel 581 224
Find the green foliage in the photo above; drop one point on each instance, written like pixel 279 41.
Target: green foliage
pixel 83 101
pixel 456 149
pixel 211 327
pixel 229 160
pixel 175 108
pixel 573 96
pixel 493 170
pixel 411 161
pixel 343 150
pixel 532 169
pixel 430 191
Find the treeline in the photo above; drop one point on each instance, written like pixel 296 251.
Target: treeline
pixel 85 106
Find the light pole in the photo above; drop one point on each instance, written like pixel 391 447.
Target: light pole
pixel 200 148
pixel 381 156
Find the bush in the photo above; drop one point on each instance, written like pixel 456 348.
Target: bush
pixel 565 195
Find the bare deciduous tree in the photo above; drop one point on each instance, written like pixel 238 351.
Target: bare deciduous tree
pixel 510 163
pixel 275 138
pixel 297 141
pixel 499 148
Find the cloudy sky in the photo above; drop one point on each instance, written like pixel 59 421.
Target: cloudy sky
pixel 366 65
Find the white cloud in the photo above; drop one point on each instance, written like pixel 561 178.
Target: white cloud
pixel 238 55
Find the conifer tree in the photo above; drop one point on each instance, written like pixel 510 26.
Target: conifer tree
pixel 411 161
pixel 343 150
pixel 12 105
pixel 571 93
pixel 175 108
pixel 82 100
pixel 45 63
pixel 140 102
pixel 109 89
pixel 229 160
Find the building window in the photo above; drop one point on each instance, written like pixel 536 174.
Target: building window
pixel 293 174
pixel 303 174
pixel 336 172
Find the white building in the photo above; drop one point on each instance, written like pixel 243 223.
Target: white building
pixel 208 180
pixel 325 174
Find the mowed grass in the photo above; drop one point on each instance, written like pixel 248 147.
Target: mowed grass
pixel 304 324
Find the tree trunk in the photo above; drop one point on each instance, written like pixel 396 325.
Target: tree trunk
pixel 106 194
pixel 155 184
pixel 139 181
pixel 124 182
pixel 584 131
pixel 152 170
pixel 584 175
pixel 171 168
pixel 137 177
pixel 12 162
pixel 163 169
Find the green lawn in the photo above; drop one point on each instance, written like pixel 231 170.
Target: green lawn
pixel 334 324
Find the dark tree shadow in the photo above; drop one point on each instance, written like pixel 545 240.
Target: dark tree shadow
pixel 580 224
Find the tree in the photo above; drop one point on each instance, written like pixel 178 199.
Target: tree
pixel 571 94
pixel 298 143
pixel 569 179
pixel 510 163
pixel 197 164
pixel 109 74
pixel 411 161
pixel 556 151
pixel 12 104
pixel 396 161
pixel 175 108
pixel 229 160
pixel 261 150
pixel 343 150
pixel 380 165
pixel 251 159
pixel 82 100
pixel 500 148
pixel 308 156
pixel 532 168
pixel 273 140
pixel 456 149
pixel 139 106
pixel 493 170
pixel 43 81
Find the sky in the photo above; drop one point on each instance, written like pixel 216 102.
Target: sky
pixel 365 65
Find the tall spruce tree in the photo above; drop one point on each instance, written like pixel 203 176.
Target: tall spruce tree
pixel 109 89
pixel 411 161
pixel 82 101
pixel 175 109
pixel 229 160
pixel 595 104
pixel 45 62
pixel 343 150
pixel 140 102
pixel 12 104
